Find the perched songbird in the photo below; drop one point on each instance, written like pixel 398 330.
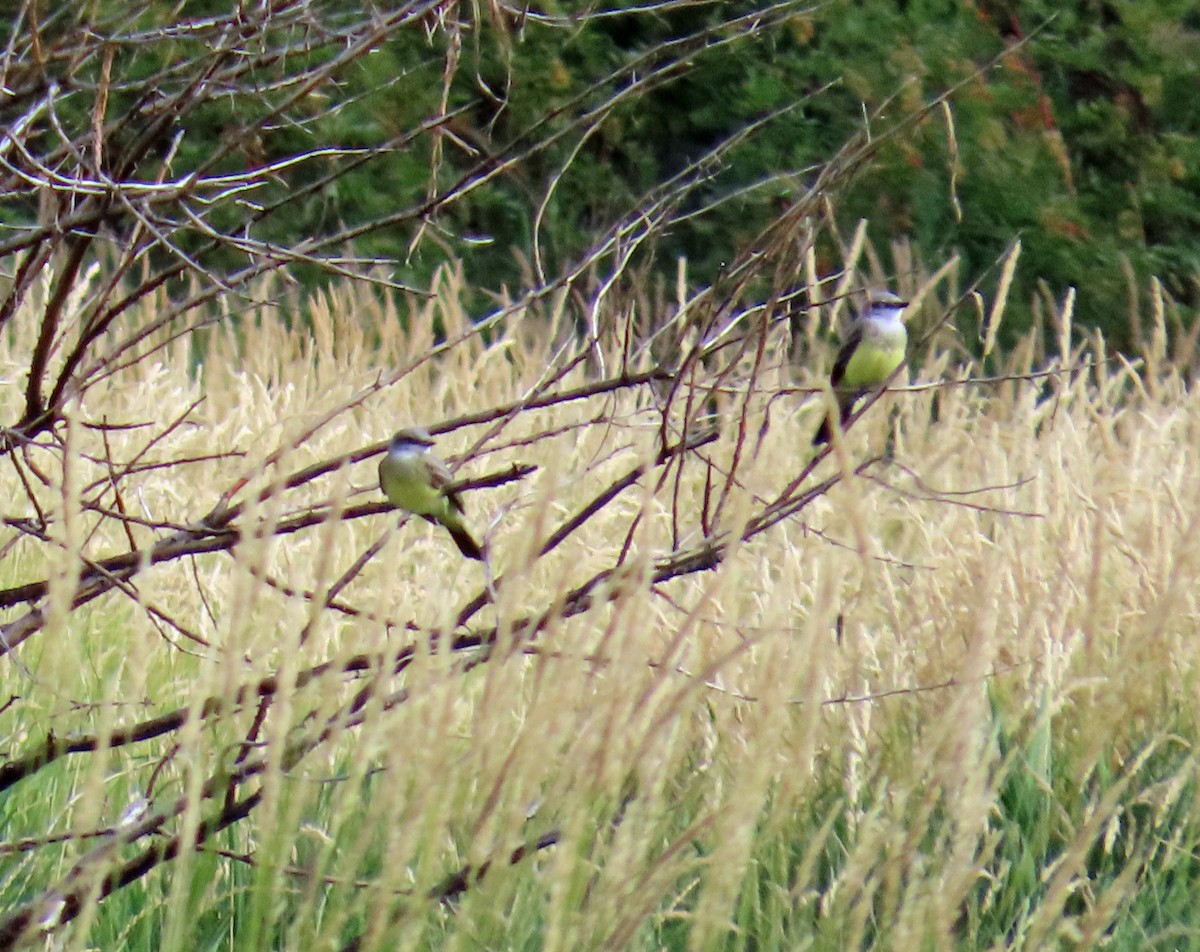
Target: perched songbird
pixel 874 348
pixel 414 479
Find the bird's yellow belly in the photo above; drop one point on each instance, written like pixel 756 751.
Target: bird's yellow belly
pixel 871 366
pixel 407 486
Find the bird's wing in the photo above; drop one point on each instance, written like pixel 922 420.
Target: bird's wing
pixel 440 476
pixel 843 358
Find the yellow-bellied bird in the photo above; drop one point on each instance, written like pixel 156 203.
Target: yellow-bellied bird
pixel 413 478
pixel 874 348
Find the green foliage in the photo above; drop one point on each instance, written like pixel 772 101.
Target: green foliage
pixel 1077 140
pixel 800 854
pixel 1083 139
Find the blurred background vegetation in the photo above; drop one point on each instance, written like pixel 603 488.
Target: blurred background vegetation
pixel 188 170
pixel 1081 138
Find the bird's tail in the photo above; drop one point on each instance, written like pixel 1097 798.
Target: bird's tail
pixel 464 540
pixel 825 431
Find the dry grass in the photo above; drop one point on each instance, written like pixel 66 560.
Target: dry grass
pixel 948 704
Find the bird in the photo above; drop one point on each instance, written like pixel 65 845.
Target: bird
pixel 415 479
pixel 874 348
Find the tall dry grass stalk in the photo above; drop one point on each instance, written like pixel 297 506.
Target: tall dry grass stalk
pixel 250 711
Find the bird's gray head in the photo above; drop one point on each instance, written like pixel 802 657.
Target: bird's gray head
pixel 882 300
pixel 411 439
